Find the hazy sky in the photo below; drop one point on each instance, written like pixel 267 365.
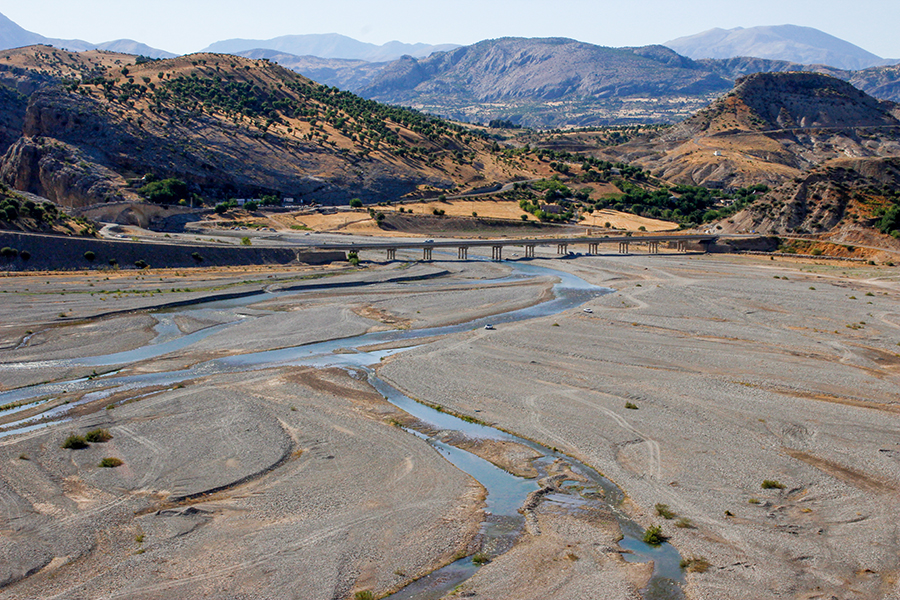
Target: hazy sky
pixel 188 25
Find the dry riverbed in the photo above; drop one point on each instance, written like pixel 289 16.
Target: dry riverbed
pixel 298 482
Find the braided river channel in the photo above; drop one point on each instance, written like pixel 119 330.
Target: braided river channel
pixel 578 488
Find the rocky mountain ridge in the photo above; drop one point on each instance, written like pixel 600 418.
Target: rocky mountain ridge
pixel 548 83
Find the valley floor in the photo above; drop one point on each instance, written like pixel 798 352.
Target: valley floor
pixel 293 481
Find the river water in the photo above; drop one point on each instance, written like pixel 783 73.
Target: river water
pixel 506 493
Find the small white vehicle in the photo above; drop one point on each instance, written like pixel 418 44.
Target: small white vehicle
pixel 588 310
pixel 489 327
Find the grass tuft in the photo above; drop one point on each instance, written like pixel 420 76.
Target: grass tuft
pixel 75 442
pixel 111 462
pixel 771 484
pixel 695 564
pixel 664 511
pixel 98 436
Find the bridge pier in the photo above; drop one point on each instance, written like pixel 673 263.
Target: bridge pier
pixel 392 254
pixel 463 253
pixel 496 252
pixel 653 247
pixel 681 246
pixel 623 247
pixel 426 253
pixel 529 251
pixel 593 248
pixel 562 248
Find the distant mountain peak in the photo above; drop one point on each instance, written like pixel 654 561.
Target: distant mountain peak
pixel 14 36
pixel 793 43
pixel 328 45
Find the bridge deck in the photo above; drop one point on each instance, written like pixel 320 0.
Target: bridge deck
pixel 407 244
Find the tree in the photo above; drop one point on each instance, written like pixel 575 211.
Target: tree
pixel 251 205
pixel 166 191
pixel 8 253
pixel 90 256
pixel 356 203
pixel 890 221
pixel 221 208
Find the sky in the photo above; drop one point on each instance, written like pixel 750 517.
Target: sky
pixel 184 26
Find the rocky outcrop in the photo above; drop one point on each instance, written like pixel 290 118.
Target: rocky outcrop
pixel 50 168
pixel 771 128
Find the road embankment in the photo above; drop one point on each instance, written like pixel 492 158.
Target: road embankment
pixel 51 252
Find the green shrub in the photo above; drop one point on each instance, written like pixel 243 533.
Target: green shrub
pixel 75 442
pixel 364 595
pixel 480 558
pixel 631 406
pixel 111 462
pixel 654 536
pixel 356 203
pixel 684 523
pixel 98 436
pixel 771 484
pixel 245 241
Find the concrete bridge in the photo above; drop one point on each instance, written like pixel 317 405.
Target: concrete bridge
pixel 678 243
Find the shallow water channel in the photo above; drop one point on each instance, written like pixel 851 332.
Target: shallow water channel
pixel 506 493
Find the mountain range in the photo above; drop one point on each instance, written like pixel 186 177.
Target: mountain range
pixel 14 36
pixel 545 82
pixel 92 127
pixel 557 82
pixel 328 45
pixel 790 43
